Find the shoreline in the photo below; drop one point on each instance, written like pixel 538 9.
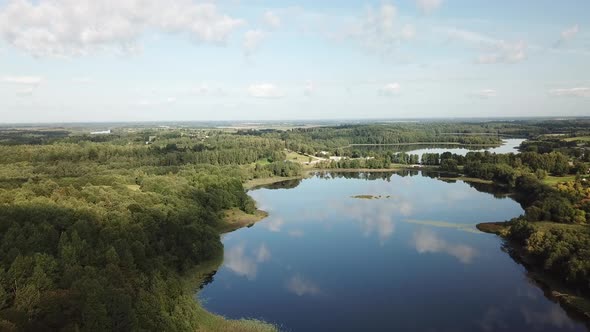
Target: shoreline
pixel 553 289
pixel 235 219
pixel 255 183
pixel 232 220
pixel 306 173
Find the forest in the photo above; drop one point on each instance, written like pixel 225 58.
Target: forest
pixel 99 232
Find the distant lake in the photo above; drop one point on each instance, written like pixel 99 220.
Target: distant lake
pixel 508 146
pixel 409 259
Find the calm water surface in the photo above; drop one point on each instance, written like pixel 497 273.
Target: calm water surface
pixel 409 261
pixel 508 146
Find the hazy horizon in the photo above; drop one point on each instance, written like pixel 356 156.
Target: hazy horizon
pixel 64 61
pixel 296 121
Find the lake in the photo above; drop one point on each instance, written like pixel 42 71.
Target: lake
pixel 409 259
pixel 509 145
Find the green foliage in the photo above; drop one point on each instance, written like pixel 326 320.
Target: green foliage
pixel 96 236
pixel 520 230
pixel 449 165
pixel 431 159
pixel 562 251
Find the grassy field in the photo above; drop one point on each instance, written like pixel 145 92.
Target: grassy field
pixel 500 228
pixel 297 157
pixel 553 180
pixel 580 138
pixel 467 179
pixel 547 225
pixel 270 180
pixel 235 218
pixel 209 322
pixel 134 187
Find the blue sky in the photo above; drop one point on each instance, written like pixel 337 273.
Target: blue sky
pixel 132 60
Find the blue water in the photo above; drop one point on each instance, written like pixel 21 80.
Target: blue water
pixel 508 146
pixel 324 261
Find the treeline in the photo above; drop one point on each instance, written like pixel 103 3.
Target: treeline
pixel 523 172
pixel 370 163
pixel 32 137
pixel 278 168
pixel 334 138
pixel 553 230
pixel 225 151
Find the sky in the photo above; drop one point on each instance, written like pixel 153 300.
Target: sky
pixel 174 60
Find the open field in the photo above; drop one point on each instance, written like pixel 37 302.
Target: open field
pixel 235 218
pixel 580 138
pixel 270 180
pixel 297 157
pixel 553 180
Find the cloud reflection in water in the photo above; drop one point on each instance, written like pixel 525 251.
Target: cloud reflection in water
pixel 237 260
pixel 375 216
pixel 427 241
pixel 300 286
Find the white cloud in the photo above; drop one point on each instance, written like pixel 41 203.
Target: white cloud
pixel 570 33
pixel 567 35
pixel 82 80
pixel 485 93
pixel 426 241
pixel 272 19
pixel 504 52
pixel 25 92
pixel 144 103
pixel 408 32
pixel 571 92
pixel 74 28
pixel 390 89
pixel 22 80
pixel 379 31
pixel 492 50
pixel 27 84
pixel 468 36
pixel 309 89
pixel 252 40
pixel 301 286
pixel 264 90
pixel 153 103
pixel 428 6
pixel 206 90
